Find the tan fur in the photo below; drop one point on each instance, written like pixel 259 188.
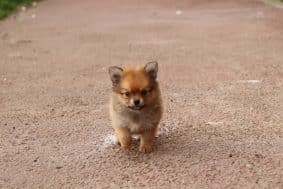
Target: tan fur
pixel 127 121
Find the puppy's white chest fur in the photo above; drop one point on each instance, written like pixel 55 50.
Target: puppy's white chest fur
pixel 136 121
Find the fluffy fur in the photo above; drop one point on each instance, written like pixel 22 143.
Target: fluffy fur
pixel 136 105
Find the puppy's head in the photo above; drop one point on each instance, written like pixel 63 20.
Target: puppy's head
pixel 137 87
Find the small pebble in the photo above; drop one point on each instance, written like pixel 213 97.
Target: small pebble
pixel 23 8
pixel 259 14
pixel 34 4
pixel 258 155
pixel 253 81
pixel 249 166
pixel 215 123
pixel 12 41
pixel 179 12
pixel 33 16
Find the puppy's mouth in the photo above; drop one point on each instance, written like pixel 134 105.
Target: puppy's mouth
pixel 137 108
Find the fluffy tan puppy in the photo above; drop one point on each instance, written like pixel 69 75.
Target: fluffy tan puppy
pixel 136 104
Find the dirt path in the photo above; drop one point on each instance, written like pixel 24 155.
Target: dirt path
pixel 221 74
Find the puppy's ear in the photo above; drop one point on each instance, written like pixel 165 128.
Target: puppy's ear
pixel 151 69
pixel 115 73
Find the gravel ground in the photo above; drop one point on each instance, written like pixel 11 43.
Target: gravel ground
pixel 221 76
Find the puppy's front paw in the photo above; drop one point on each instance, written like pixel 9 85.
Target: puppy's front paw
pixel 146 148
pixel 125 144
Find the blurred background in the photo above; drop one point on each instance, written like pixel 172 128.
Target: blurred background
pixel 221 77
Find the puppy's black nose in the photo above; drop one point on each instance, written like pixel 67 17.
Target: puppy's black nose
pixel 137 102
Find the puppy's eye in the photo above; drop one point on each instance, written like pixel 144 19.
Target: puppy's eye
pixel 144 92
pixel 127 94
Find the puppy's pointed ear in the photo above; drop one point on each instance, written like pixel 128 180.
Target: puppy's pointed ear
pixel 151 69
pixel 115 73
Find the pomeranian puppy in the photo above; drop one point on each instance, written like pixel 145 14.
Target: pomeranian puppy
pixel 136 104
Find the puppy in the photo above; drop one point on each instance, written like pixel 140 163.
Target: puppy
pixel 136 104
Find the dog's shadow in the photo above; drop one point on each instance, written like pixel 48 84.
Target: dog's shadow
pixel 187 143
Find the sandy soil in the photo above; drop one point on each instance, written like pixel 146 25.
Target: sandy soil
pixel 221 75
